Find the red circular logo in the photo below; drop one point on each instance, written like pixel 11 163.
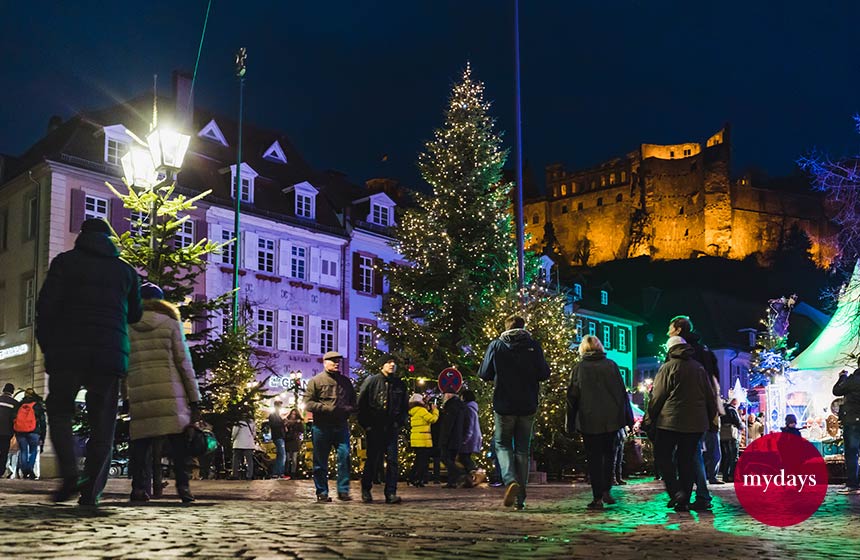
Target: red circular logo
pixel 781 479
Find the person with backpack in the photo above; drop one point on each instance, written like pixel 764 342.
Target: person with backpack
pixel 30 430
pixel 8 410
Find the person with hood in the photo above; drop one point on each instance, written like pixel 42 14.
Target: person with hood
pixel 278 429
pixel 163 395
pixel 89 298
pixel 452 423
pixel 681 408
pixel 295 429
pixel 598 407
pixel 421 418
pixel 848 387
pixel 382 409
pixel 473 441
pixel 8 410
pixel 730 428
pixel 30 428
pixel 515 362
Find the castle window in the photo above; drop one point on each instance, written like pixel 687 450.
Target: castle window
pixel 612 178
pixel 574 187
pixel 681 211
pixel 619 197
pixel 600 201
pixel 563 190
pixel 535 219
pixel 564 209
pixel 623 176
pixel 672 154
pixel 579 206
pixel 688 152
pixel 593 184
pixel 603 180
pixel 686 233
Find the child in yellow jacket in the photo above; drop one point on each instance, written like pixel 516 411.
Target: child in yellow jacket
pixel 421 417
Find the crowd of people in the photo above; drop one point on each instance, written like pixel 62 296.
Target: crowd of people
pixel 101 330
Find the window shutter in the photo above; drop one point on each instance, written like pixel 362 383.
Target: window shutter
pixel 78 209
pixel 197 230
pixel 356 271
pixel 215 236
pixel 313 335
pixel 283 329
pixel 377 276
pixel 314 265
pixel 343 337
pixel 250 250
pixel 284 258
pixel 119 215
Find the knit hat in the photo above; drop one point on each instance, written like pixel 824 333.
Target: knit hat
pixel 416 398
pixel 790 419
pixel 95 225
pixel 148 290
pixel 674 341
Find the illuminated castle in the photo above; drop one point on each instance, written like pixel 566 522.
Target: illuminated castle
pixel 669 202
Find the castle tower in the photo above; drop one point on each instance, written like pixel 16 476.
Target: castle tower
pixel 718 203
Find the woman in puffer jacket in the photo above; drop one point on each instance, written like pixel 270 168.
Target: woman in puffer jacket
pixel 162 392
pixel 420 418
pixel 473 441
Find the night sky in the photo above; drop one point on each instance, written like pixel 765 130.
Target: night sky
pixel 349 81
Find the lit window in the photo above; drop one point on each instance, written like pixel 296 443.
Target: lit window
pixel 185 235
pixel 266 328
pixel 298 262
pixel 365 338
pixel 115 151
pixel 304 205
pixel 604 297
pixel 612 178
pixel 228 252
pixel 603 180
pixel 578 337
pixel 563 190
pixel 365 276
pixel 297 333
pixel 607 337
pixel 95 207
pixel 622 340
pixel 592 328
pixel 577 291
pixel 28 311
pixel 535 219
pixel 266 255
pixel 381 215
pixel 326 335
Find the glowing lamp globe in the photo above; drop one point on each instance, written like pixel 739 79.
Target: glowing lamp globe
pixel 137 167
pixel 167 147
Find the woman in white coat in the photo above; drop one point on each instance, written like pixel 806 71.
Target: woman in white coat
pixel 162 392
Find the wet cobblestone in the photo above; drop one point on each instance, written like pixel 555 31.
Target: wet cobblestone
pixel 280 519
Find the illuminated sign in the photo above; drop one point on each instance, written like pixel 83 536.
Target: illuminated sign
pixel 13 351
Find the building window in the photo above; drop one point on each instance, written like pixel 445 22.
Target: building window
pixel 226 321
pixel 607 337
pixel 28 302
pixel 247 188
pixel 298 262
pixel 564 209
pixel 365 274
pixel 619 197
pixel 612 178
pixel 604 297
pixel 138 224
pixel 623 176
pixel 115 151
pixel 266 255
pixel 563 190
pixel 535 219
pixel 304 206
pixel 622 340
pixel 185 235
pixel 381 215
pixel 600 201
pixel 4 229
pixel 95 207
pixel 365 338
pixel 672 154
pixel 577 291
pixel 31 209
pixel 578 337
pixel 592 328
pixel 326 335
pixel 297 333
pixel 580 206
pixel 688 152
pixel 681 211
pixel 266 328
pixel 228 252
pixel 603 180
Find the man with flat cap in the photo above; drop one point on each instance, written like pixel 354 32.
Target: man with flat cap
pixel 330 397
pixel 82 315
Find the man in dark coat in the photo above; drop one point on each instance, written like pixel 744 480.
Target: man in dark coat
pixel 82 315
pixel 452 426
pixel 382 409
pixel 848 387
pixel 515 362
pixel 8 409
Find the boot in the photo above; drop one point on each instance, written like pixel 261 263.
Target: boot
pixel 185 495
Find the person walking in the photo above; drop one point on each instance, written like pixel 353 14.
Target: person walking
pixel 330 397
pixel 382 409
pixel 473 440
pixel 452 423
pixel 30 428
pixel 244 441
pixel 598 407
pixel 295 430
pixel 8 411
pixel 730 426
pixel 421 418
pixel 681 408
pixel 163 396
pixel 516 364
pixel 277 427
pixel 89 298
pixel 848 387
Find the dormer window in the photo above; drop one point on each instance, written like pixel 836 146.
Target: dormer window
pixel 246 178
pixel 117 141
pixel 604 297
pixel 306 200
pixel 577 291
pixel 213 133
pixel 380 215
pixel 275 153
pixel 381 209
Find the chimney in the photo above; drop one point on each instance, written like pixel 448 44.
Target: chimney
pixel 184 98
pixel 54 123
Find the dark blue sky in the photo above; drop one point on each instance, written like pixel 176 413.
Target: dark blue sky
pixel 350 81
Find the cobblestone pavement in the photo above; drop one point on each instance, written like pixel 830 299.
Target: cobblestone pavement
pixel 279 519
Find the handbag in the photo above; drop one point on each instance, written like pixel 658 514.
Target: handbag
pixel 200 439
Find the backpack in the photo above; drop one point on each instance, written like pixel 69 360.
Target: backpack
pixel 25 420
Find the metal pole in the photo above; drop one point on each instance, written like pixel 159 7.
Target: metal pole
pixel 240 73
pixel 518 213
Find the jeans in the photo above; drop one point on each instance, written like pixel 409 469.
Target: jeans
pixel 418 475
pixel 729 449
pixel 102 401
pixel 513 436
pixel 619 454
pixel 324 437
pixel 292 462
pixel 280 457
pixel 146 473
pixel 381 444
pixel 28 447
pixel 246 456
pixel 711 455
pixel 600 454
pixel 5 442
pixel 702 493
pixel 683 445
pixel 851 434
